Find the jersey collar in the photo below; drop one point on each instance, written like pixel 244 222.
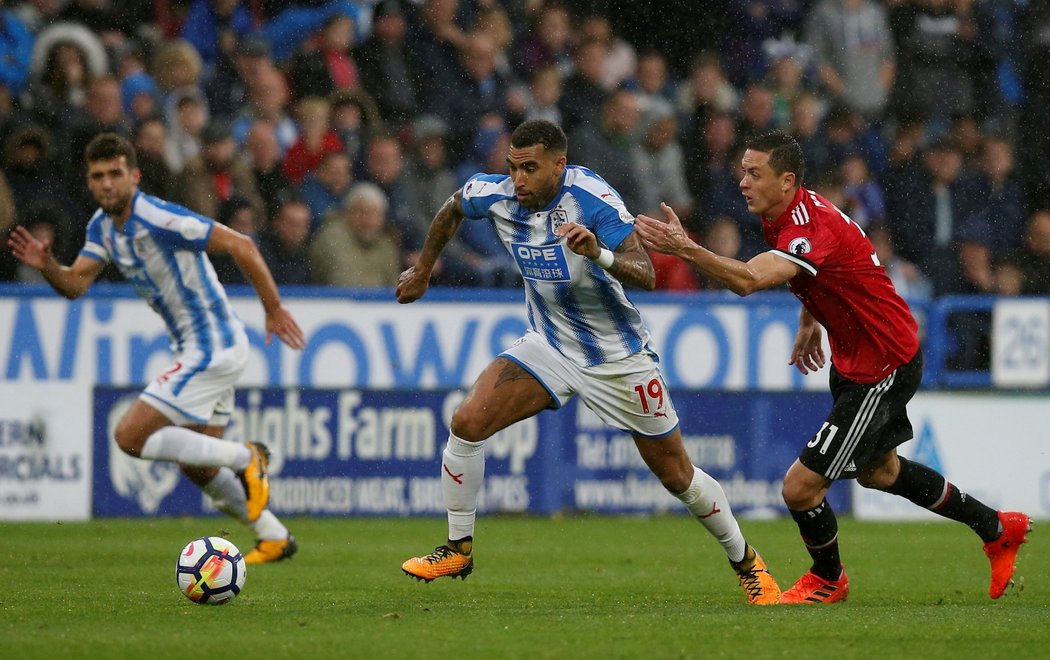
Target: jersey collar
pixel 785 217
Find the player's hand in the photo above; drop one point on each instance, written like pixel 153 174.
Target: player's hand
pixel 411 285
pixel 28 249
pixel 667 236
pixel 808 353
pixel 280 322
pixel 579 239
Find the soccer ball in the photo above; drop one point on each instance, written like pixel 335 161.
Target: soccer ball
pixel 210 570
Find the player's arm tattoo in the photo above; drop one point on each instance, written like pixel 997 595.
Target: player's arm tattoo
pixel 631 264
pixel 444 226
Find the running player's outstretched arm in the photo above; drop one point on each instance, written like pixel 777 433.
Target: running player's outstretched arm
pixel 764 271
pixel 415 281
pixel 279 321
pixel 630 263
pixel 69 281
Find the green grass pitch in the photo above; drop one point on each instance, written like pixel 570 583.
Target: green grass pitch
pixel 573 587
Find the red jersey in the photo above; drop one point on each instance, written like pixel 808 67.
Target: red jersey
pixel 845 288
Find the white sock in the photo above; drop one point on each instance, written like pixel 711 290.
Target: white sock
pixel 181 445
pixel 227 494
pixel 462 470
pixel 707 502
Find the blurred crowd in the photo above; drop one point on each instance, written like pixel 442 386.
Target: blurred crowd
pixel 332 131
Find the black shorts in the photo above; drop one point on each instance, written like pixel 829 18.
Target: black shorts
pixel 865 422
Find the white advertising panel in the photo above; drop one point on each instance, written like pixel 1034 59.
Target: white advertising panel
pixel 1021 343
pixel 373 342
pixel 991 447
pixel 45 452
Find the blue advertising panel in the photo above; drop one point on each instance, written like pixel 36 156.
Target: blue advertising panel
pixel 377 453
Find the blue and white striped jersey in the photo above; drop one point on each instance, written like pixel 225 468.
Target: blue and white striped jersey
pixel 160 250
pixel 580 309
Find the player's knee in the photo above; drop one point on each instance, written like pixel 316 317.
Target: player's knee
pixel 129 439
pixel 799 495
pixel 469 427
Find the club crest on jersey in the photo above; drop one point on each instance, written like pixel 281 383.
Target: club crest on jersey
pixel 800 246
pixel 558 217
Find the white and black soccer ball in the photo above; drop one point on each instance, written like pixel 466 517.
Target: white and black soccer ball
pixel 210 570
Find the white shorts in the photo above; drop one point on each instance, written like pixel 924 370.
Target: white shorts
pixel 629 394
pixel 196 390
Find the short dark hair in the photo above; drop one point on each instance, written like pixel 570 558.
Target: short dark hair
pixel 106 146
pixel 785 154
pixel 540 131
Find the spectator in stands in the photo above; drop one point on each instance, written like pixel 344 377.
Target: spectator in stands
pixel 807 126
pixel 386 66
pixel 1034 121
pixel 621 60
pixel 478 90
pixel 316 138
pixel 653 83
pixel 929 209
pixel 756 110
pixel 66 58
pixel 268 98
pixel 966 132
pixel 217 174
pixel 865 203
pixel 854 52
pixel 660 164
pixel 786 79
pixel 326 187
pixel 356 119
pixel 548 42
pixel 16 49
pixel 609 145
pixel 385 167
pixel 750 25
pixel 110 23
pixel 354 247
pixel 286 245
pixel 1034 259
pixel 491 20
pixel 150 139
pixel 33 174
pixel 177 69
pixel 263 156
pixel 140 96
pixel 103 113
pixel 909 281
pixel 584 95
pixel 938 46
pixel 542 99
pixel 430 178
pixel 215 26
pixel 706 92
pixel 185 125
pixel 228 90
pixel 325 63
pixel 435 42
pixel 999 197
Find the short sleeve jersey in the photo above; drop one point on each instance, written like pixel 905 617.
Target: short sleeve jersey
pixel 576 305
pixel 870 328
pixel 160 251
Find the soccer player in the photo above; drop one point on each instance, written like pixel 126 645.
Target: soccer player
pixel 573 241
pixel 180 417
pixel 830 265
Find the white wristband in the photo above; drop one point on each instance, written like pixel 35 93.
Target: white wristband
pixel 605 258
